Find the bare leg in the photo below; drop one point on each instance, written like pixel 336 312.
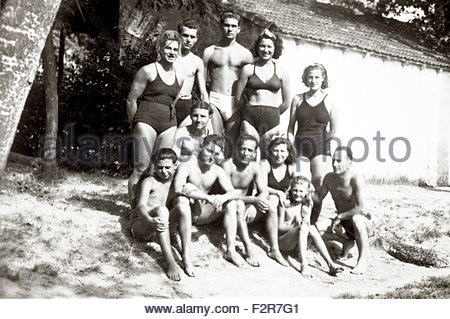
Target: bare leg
pixel 320 166
pixel 167 138
pixel 362 241
pixel 272 231
pixel 242 228
pixel 182 213
pixel 144 139
pixel 303 243
pixel 216 121
pixel 320 244
pixel 230 226
pixel 172 271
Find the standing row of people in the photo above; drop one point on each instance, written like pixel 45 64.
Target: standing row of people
pixel 248 93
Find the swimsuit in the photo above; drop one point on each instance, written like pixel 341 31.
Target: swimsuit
pixel 310 139
pixel 224 103
pixel 283 184
pixel 155 108
pixel 273 84
pixel 263 117
pixel 183 109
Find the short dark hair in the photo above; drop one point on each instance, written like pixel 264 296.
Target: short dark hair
pixel 277 43
pixel 345 149
pixel 202 105
pixel 166 153
pixel 215 139
pixel 290 148
pixel 189 23
pixel 230 14
pixel 316 66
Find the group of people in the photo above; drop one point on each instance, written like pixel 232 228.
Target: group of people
pixel 226 156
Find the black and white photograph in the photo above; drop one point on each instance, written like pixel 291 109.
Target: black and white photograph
pixel 214 158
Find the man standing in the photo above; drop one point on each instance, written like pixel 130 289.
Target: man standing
pixel 347 190
pixel 223 63
pixel 193 69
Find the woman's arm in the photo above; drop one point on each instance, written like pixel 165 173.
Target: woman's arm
pixel 292 121
pixel 331 107
pixel 137 88
pixel 285 92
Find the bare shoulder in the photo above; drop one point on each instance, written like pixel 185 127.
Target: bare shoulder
pixel 328 179
pixel 265 166
pixel 208 51
pixel 357 179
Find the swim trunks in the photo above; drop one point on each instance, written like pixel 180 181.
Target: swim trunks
pixel 311 137
pixel 350 230
pixel 155 108
pixel 262 117
pixel 224 103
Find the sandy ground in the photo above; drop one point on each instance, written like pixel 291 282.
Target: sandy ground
pixel 70 240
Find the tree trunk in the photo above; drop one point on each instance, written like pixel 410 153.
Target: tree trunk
pixel 61 51
pixel 24 27
pixel 51 102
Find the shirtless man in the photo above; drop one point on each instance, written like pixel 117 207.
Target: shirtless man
pixel 193 203
pixel 151 215
pixel 223 63
pixel 243 171
pixel 347 189
pixel 188 139
pixel 193 69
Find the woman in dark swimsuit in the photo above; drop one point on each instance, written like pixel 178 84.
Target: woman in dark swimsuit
pixel 157 86
pixel 280 168
pixel 316 117
pixel 267 89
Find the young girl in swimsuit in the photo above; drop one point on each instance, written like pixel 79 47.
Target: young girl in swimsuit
pixel 313 112
pixel 294 226
pixel 267 89
pixel 157 86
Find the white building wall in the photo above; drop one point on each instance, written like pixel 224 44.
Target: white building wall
pixel 374 94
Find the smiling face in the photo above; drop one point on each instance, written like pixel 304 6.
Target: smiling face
pixel 189 38
pixel 314 79
pixel 299 191
pixel 199 118
pixel 279 153
pixel 209 153
pixel 164 169
pixel 265 49
pixel 169 51
pixel 230 28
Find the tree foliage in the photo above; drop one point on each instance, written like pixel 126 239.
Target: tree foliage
pixel 428 17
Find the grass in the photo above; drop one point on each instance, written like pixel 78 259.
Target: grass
pixel 430 288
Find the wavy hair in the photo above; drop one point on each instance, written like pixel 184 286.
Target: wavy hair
pixel 277 43
pixel 316 66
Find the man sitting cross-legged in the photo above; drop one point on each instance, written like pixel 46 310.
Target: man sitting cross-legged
pixel 347 190
pixel 151 215
pixel 193 203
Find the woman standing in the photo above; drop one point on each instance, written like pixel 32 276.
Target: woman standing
pixel 316 117
pixel 267 89
pixel 157 86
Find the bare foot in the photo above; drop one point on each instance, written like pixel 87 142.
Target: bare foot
pixel 173 272
pixel 346 246
pixel 304 270
pixel 189 269
pixel 359 269
pixel 251 259
pixel 275 254
pixel 234 258
pixel 335 269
